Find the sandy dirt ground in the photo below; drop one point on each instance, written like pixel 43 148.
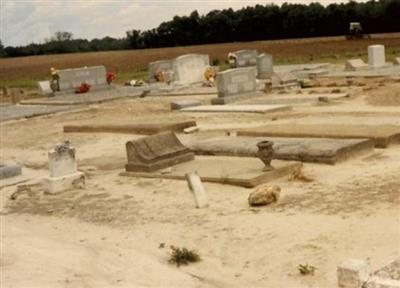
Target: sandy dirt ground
pixel 117 231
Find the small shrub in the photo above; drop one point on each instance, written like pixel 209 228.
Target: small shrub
pixel 183 256
pixel 215 62
pixel 306 269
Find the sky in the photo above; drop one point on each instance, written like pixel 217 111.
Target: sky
pixel 31 21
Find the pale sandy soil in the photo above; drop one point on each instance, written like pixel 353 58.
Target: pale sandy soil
pixel 109 234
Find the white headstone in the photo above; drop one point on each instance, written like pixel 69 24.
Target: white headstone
pixel 190 68
pixel 376 56
pixel 63 170
pixel 163 65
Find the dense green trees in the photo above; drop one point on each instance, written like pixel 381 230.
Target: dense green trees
pixel 247 24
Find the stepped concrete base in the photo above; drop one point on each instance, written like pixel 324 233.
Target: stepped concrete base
pixel 55 185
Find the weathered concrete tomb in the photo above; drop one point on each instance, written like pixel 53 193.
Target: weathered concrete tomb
pixel 235 84
pixel 9 170
pixel 382 135
pixel 180 104
pixel 156 152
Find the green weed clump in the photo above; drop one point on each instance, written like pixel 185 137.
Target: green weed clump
pixel 183 256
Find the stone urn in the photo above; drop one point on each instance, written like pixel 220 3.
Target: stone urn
pixel 266 153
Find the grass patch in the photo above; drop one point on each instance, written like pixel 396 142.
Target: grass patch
pixel 306 269
pixel 123 77
pixel 183 256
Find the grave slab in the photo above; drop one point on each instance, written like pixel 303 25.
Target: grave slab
pixel 294 99
pixel 156 152
pixel 138 128
pixel 238 108
pixel 355 65
pixel 245 172
pixel 92 97
pixel 9 170
pixel 14 112
pixel 382 135
pixel 180 104
pixel 315 150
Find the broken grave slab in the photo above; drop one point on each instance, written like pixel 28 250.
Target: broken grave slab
pixel 238 108
pixel 14 112
pixel 238 171
pixel 382 135
pixel 138 128
pixel 316 150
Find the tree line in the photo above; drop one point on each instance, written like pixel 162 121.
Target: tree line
pixel 261 22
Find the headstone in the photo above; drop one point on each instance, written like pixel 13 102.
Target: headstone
pixel 355 65
pixel 352 273
pixel 376 56
pixel 396 61
pixel 190 68
pixel 235 84
pixel 180 104
pixel 156 152
pixel 264 66
pixel 246 58
pixel 163 65
pixel 72 78
pixel 197 188
pixel 63 170
pixel 44 87
pixel 9 170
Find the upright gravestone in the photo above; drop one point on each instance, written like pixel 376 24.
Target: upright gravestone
pixel 70 79
pixel 63 170
pixel 190 68
pixel 264 66
pixel 235 84
pixel 166 66
pixel 376 56
pixel 246 58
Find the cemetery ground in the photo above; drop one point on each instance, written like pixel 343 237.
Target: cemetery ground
pixel 24 72
pixel 117 232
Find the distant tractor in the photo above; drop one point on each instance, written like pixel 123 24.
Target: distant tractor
pixel 356 32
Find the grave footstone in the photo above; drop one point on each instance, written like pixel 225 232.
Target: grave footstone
pixel 156 152
pixel 235 84
pixel 396 61
pixel 264 66
pixel 44 87
pixel 63 170
pixel 376 56
pixel 355 65
pixel 190 68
